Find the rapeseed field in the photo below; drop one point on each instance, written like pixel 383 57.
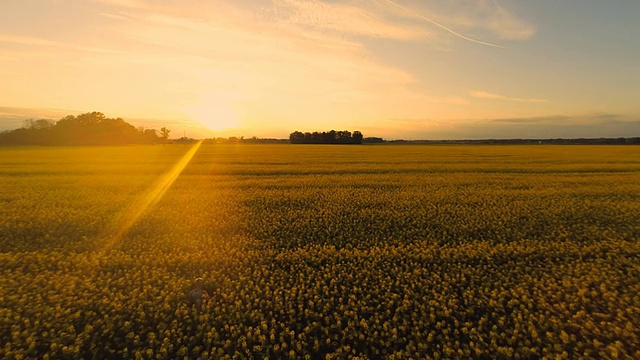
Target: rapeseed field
pixel 320 252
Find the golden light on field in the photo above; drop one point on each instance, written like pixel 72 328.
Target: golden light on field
pixel 412 251
pixel 145 202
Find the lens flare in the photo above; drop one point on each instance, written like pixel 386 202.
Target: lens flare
pixel 144 203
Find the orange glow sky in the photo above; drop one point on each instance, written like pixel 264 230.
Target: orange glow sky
pixel 396 69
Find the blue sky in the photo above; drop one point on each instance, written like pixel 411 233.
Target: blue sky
pixel 397 69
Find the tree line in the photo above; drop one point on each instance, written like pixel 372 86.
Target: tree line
pixel 92 128
pixel 326 137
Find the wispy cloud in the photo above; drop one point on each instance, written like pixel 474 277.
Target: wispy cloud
pixel 491 18
pixel 27 40
pixel 34 41
pixel 299 68
pixel 441 26
pixel 347 18
pixel 492 96
pixel 238 49
pixel 388 19
pixel 509 26
pixel 136 4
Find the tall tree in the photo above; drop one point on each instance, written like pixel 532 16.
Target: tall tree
pixel 296 137
pixel 164 133
pixel 357 137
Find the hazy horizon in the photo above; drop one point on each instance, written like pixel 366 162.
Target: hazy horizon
pixel 589 126
pixel 394 69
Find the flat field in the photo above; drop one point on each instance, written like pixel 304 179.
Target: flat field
pixel 320 251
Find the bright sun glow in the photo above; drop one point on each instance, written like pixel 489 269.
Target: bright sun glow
pixel 215 116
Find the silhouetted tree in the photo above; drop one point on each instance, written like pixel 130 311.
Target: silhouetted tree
pixel 331 137
pixel 85 129
pixel 164 133
pixel 357 137
pixel 373 140
pixel 38 124
pixel 296 137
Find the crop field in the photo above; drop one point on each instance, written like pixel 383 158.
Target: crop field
pixel 320 252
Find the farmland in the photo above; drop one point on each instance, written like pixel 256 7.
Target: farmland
pixel 320 251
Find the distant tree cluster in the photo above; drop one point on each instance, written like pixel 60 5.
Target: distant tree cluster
pixel 223 140
pixel 326 137
pixel 86 129
pixel 373 140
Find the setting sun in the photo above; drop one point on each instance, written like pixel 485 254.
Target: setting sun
pixel 215 116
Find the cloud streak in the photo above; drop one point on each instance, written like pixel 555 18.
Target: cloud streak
pixel 483 16
pixel 34 41
pixel 343 19
pixel 492 96
pixel 445 28
pixel 123 3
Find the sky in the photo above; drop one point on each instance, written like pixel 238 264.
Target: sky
pixel 411 69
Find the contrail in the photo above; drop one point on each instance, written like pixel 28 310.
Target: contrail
pixel 442 26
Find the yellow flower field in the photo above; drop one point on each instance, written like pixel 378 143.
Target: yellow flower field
pixel 320 252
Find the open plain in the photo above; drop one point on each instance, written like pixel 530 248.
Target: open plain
pixel 390 251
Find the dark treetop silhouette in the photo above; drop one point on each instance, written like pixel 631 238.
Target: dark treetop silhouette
pixel 328 137
pixel 86 129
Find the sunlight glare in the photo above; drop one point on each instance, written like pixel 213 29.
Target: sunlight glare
pixel 144 203
pixel 215 116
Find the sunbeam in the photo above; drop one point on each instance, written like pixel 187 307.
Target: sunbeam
pixel 144 203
